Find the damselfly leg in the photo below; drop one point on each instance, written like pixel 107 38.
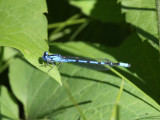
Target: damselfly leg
pixel 53 63
pixel 59 65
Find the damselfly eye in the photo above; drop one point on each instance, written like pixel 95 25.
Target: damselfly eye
pixel 45 53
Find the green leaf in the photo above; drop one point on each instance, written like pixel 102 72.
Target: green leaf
pixel 8 106
pixel 9 53
pixel 24 27
pixel 142 15
pixel 144 60
pixel 104 10
pixel 95 92
pixel 30 86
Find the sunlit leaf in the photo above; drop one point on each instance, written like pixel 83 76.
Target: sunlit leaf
pixel 141 14
pixel 24 27
pixel 8 106
pixel 95 92
pixel 104 10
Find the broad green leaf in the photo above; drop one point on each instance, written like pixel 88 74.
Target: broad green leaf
pixel 141 14
pixel 30 86
pixel 104 10
pixel 144 60
pixel 24 27
pixel 9 53
pixel 95 92
pixel 8 106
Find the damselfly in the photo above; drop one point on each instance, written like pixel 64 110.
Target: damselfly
pixel 64 59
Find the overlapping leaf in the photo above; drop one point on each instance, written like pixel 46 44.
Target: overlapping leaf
pixel 8 106
pixel 142 15
pixel 104 10
pixel 95 92
pixel 24 27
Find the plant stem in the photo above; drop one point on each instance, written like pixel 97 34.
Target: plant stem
pixel 74 101
pixel 74 35
pixel 67 23
pixel 5 66
pixel 115 112
pixel 1 54
pixel 158 20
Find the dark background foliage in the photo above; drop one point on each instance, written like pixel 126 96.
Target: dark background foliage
pixel 124 31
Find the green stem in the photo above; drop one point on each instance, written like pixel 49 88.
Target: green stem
pixel 158 19
pixel 74 101
pixel 59 35
pixel 5 66
pixel 1 54
pixel 115 113
pixel 66 23
pixel 74 35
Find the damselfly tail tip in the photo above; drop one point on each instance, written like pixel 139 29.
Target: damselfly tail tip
pixel 125 64
pixel 129 65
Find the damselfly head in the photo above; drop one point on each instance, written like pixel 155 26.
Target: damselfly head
pixel 45 56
